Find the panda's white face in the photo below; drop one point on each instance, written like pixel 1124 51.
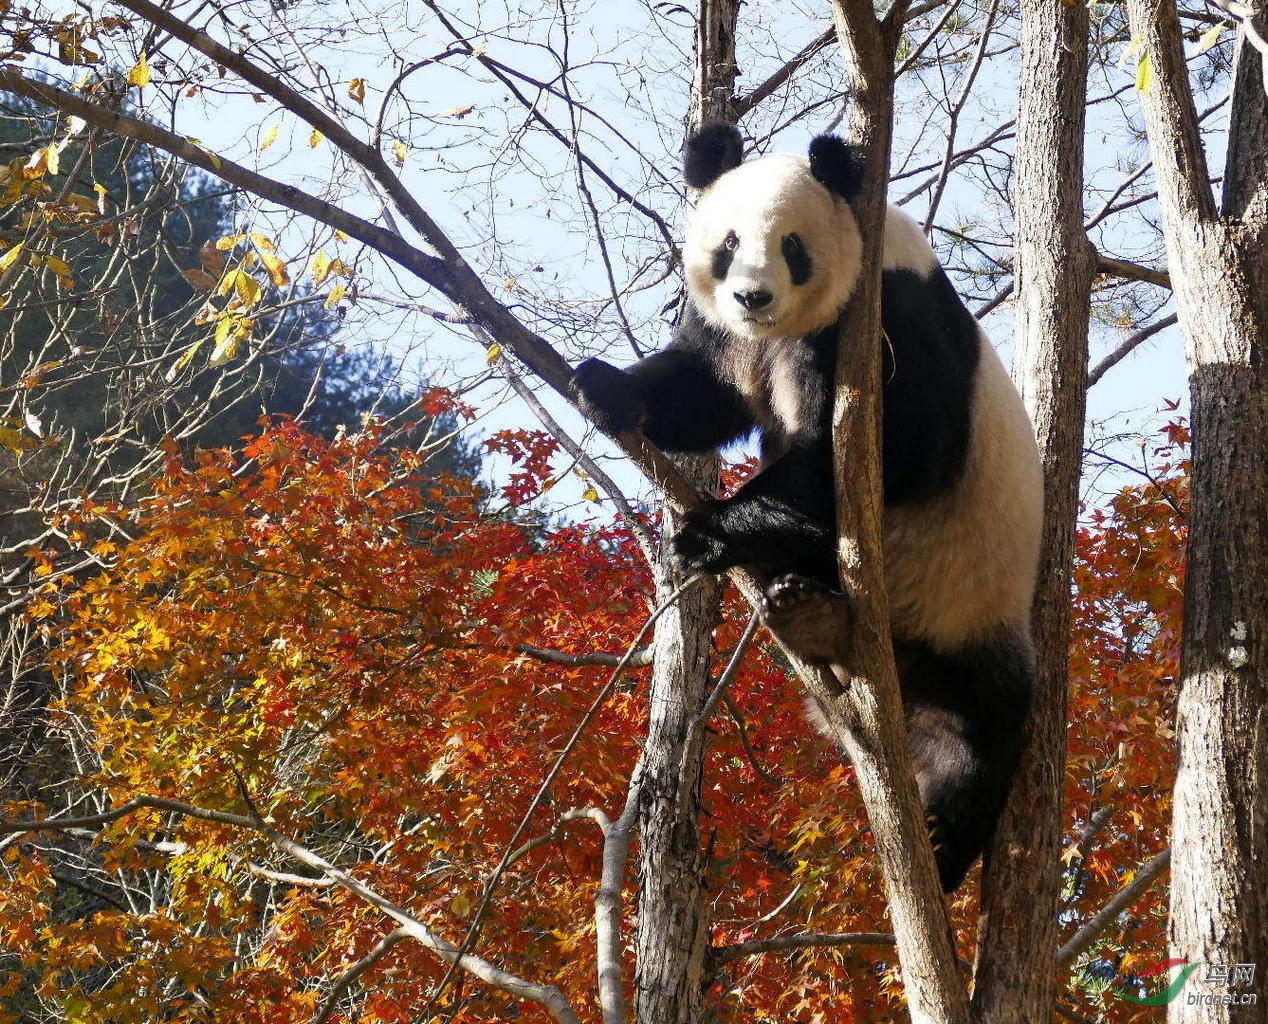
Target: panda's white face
pixel 770 252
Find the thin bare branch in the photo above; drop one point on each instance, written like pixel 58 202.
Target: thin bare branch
pixel 607 904
pixel 639 659
pixel 1106 916
pixel 367 962
pixel 953 115
pixel 1132 271
pixel 365 155
pixel 490 885
pixel 742 728
pixel 1129 346
pixel 741 105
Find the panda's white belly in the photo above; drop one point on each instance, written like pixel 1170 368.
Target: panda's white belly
pixel 964 565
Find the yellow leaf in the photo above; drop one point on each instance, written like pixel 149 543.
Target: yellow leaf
pixel 229 241
pixel 263 241
pixel 492 354
pixel 227 282
pixel 458 112
pixel 590 494
pixel 1144 74
pixel 276 269
pixel 336 294
pixel 140 75
pixel 226 341
pixel 314 139
pixel 248 288
pixel 399 152
pixel 1211 36
pixel 6 261
pixel 183 361
pixel 52 158
pixel 16 440
pixel 321 267
pixel 36 165
pixel 356 90
pixel 340 236
pixel 270 137
pixel 59 267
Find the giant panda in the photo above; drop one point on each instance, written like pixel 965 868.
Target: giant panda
pixel 772 253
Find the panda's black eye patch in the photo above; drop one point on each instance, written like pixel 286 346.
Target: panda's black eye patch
pixel 798 260
pixel 724 254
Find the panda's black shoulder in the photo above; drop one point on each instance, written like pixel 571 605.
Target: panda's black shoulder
pixel 930 358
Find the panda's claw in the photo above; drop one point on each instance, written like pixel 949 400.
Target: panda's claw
pixel 608 396
pixel 808 618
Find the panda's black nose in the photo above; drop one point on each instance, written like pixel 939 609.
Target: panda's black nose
pixel 755 299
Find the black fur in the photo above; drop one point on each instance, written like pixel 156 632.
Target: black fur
pixel 721 264
pixel 965 710
pixel 799 262
pixel 837 166
pixel 928 368
pixel 711 152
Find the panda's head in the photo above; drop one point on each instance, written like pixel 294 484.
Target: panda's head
pixel 772 248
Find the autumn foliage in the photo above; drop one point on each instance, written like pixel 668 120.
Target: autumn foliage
pixel 330 640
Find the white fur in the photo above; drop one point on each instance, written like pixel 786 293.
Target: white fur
pixel 905 244
pixel 762 201
pixel 962 568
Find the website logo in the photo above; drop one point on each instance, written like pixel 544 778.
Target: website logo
pixel 1225 984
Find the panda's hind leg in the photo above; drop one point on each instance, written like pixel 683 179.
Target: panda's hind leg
pixel 966 715
pixel 808 618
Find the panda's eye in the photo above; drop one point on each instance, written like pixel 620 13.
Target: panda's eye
pixel 799 263
pixel 731 242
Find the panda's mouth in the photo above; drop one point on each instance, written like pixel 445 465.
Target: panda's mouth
pixel 761 321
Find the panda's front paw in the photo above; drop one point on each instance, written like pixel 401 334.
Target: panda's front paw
pixel 808 618
pixel 609 397
pixel 698 546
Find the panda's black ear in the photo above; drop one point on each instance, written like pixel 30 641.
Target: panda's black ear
pixel 710 153
pixel 837 166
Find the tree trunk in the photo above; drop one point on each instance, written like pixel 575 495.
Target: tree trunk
pixel 864 711
pixel 673 922
pixel 1017 936
pixel 1219 270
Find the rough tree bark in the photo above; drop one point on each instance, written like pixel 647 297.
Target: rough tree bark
pixel 1218 263
pixel 1055 264
pixel 863 709
pixel 673 921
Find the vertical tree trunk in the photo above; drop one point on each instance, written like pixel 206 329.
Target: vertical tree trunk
pixel 864 711
pixel 673 922
pixel 1017 937
pixel 1219 273
pixel 673 925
